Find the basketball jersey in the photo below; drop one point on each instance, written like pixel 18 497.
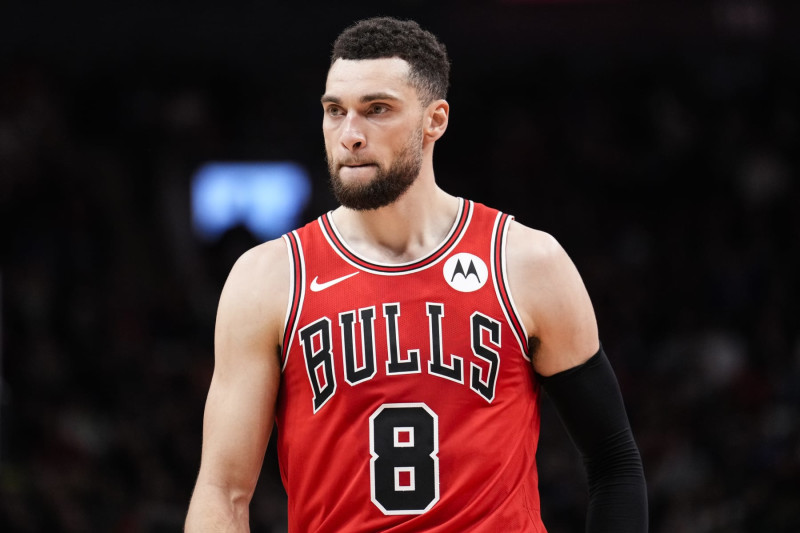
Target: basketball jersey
pixel 407 399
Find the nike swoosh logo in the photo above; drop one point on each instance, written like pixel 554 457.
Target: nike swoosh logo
pixel 316 287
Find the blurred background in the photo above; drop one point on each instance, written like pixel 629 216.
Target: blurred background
pixel 657 141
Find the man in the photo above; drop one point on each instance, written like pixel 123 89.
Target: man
pixel 396 341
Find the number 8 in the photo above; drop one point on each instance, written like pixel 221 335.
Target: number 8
pixel 404 469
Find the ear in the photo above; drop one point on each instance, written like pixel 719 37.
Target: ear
pixel 436 117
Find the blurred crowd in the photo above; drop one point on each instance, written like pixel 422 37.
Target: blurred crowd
pixel 670 178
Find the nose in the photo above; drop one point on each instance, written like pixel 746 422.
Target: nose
pixel 353 137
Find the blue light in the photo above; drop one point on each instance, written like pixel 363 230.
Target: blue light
pixel 266 197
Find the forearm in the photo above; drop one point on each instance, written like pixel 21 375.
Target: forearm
pixel 214 509
pixel 590 405
pixel 617 488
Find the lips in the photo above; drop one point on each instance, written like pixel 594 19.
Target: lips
pixel 353 168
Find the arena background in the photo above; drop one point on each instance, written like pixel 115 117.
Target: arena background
pixel 658 141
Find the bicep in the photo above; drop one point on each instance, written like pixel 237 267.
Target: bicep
pixel 555 304
pixel 240 407
pixel 237 425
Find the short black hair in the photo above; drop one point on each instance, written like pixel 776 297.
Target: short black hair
pixel 382 37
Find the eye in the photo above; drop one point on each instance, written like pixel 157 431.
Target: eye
pixel 333 111
pixel 378 109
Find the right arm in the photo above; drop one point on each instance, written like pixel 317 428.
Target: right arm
pixel 240 407
pixel 558 313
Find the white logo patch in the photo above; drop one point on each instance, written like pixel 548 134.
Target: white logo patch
pixel 465 272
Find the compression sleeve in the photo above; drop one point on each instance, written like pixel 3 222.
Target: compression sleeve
pixel 589 403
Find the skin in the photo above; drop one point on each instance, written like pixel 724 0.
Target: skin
pixel 370 114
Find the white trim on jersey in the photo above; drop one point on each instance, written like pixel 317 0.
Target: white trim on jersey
pixel 299 298
pixel 503 278
pixel 463 204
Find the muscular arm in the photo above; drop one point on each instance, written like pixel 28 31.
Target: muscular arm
pixel 574 371
pixel 240 407
pixel 552 301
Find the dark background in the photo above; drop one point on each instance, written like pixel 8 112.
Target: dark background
pixel 657 141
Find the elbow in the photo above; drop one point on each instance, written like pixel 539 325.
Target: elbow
pixel 616 461
pixel 217 507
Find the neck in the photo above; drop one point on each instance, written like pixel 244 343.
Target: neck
pixel 408 229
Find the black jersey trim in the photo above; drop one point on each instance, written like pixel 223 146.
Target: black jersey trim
pixel 297 285
pixel 457 231
pixel 500 278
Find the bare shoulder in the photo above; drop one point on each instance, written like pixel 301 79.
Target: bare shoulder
pixel 255 295
pixel 268 262
pixel 531 246
pixel 261 270
pixel 551 299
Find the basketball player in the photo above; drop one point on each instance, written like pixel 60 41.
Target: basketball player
pixel 400 341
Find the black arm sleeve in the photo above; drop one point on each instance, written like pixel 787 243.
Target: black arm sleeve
pixel 590 405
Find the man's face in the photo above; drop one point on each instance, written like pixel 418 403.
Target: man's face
pixel 373 131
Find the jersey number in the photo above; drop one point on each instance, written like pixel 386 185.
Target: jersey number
pixel 404 469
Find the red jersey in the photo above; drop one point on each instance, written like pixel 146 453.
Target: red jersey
pixel 407 399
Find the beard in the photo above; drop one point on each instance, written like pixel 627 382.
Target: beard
pixel 388 185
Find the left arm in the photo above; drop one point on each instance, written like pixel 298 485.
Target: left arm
pixel 572 368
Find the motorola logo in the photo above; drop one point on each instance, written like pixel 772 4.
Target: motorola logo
pixel 465 272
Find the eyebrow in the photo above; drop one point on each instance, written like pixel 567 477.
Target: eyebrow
pixel 370 97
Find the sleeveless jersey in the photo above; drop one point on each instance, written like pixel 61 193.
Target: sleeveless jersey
pixel 407 399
